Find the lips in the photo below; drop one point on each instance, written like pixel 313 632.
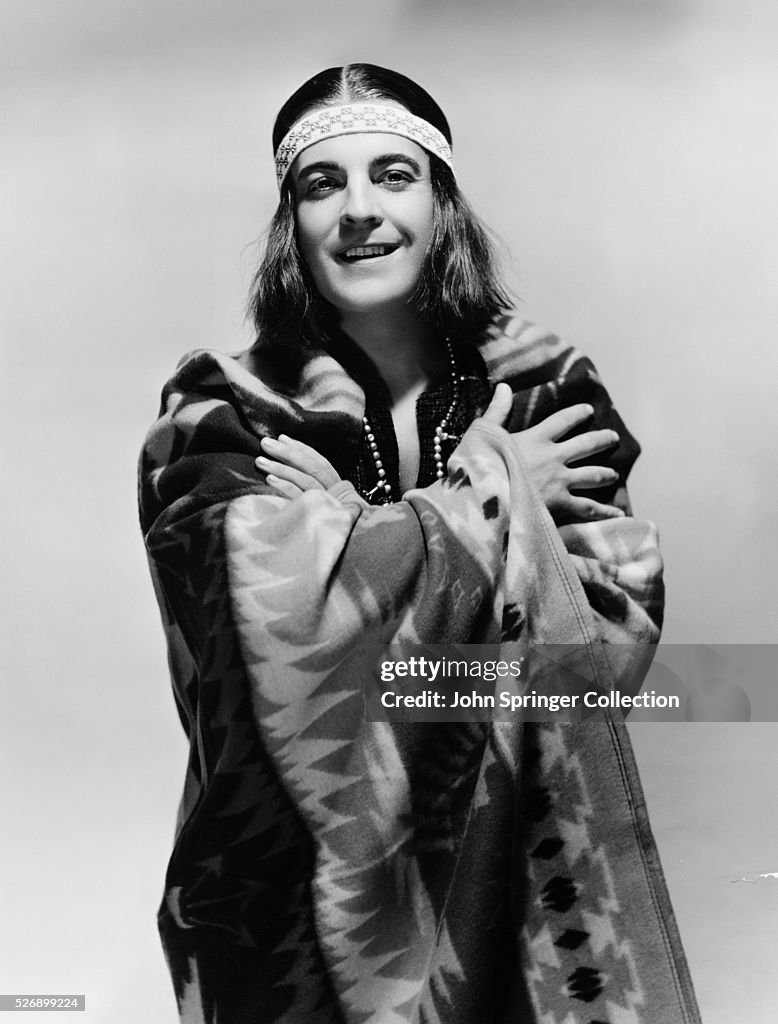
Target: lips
pixel 357 253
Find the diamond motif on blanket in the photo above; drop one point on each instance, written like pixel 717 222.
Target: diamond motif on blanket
pixel 585 983
pixel 548 848
pixel 559 894
pixel 571 938
pixel 491 508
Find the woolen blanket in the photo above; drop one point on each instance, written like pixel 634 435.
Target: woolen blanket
pixel 332 868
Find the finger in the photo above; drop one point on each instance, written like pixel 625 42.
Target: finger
pixel 303 481
pixel 586 510
pixel 499 408
pixel 562 422
pixel 301 449
pixel 283 486
pixel 589 478
pixel 291 453
pixel 589 443
pixel 301 456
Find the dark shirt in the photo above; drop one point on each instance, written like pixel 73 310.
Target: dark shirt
pixel 431 407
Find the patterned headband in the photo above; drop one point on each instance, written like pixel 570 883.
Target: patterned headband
pixel 354 119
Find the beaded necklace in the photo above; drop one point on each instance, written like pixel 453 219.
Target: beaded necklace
pixel 381 493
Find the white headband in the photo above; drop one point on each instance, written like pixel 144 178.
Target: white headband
pixel 357 118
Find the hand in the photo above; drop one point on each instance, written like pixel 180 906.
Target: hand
pixel 294 467
pixel 548 459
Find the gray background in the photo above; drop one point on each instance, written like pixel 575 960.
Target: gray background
pixel 627 154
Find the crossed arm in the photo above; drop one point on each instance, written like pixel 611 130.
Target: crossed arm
pixel 292 467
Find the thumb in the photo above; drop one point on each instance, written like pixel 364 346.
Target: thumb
pixel 499 408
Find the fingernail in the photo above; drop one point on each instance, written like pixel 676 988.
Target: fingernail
pixel 284 437
pixel 262 459
pixel 269 442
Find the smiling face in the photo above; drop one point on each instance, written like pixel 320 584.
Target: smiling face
pixel 364 212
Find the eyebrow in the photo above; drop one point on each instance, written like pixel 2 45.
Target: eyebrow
pixel 385 158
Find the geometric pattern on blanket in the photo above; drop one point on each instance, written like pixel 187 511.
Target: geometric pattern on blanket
pixel 328 868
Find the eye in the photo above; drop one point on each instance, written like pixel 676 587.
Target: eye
pixel 321 185
pixel 396 178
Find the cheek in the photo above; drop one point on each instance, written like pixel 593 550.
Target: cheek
pixel 424 243
pixel 305 247
pixel 425 226
pixel 309 247
pixel 309 239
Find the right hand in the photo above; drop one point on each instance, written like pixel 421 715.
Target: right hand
pixel 547 459
pixel 293 467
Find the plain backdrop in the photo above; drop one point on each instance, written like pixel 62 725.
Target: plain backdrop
pixel 626 153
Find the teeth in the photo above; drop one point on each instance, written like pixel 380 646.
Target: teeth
pixel 365 250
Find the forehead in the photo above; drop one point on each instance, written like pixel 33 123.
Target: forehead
pixel 359 149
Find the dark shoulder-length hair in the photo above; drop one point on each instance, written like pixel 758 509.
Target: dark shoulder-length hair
pixel 459 291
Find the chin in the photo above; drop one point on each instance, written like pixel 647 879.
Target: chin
pixel 364 303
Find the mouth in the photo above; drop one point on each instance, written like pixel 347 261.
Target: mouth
pixel 360 253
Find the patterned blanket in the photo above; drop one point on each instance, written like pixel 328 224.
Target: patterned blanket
pixel 329 868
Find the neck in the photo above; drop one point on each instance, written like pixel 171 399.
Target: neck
pixel 406 352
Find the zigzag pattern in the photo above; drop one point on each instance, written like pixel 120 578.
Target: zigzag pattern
pixel 329 868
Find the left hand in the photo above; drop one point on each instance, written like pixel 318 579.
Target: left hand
pixel 292 467
pixel 548 456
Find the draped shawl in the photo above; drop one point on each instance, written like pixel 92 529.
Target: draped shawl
pixel 331 868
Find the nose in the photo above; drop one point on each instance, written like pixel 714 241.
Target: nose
pixel 361 204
